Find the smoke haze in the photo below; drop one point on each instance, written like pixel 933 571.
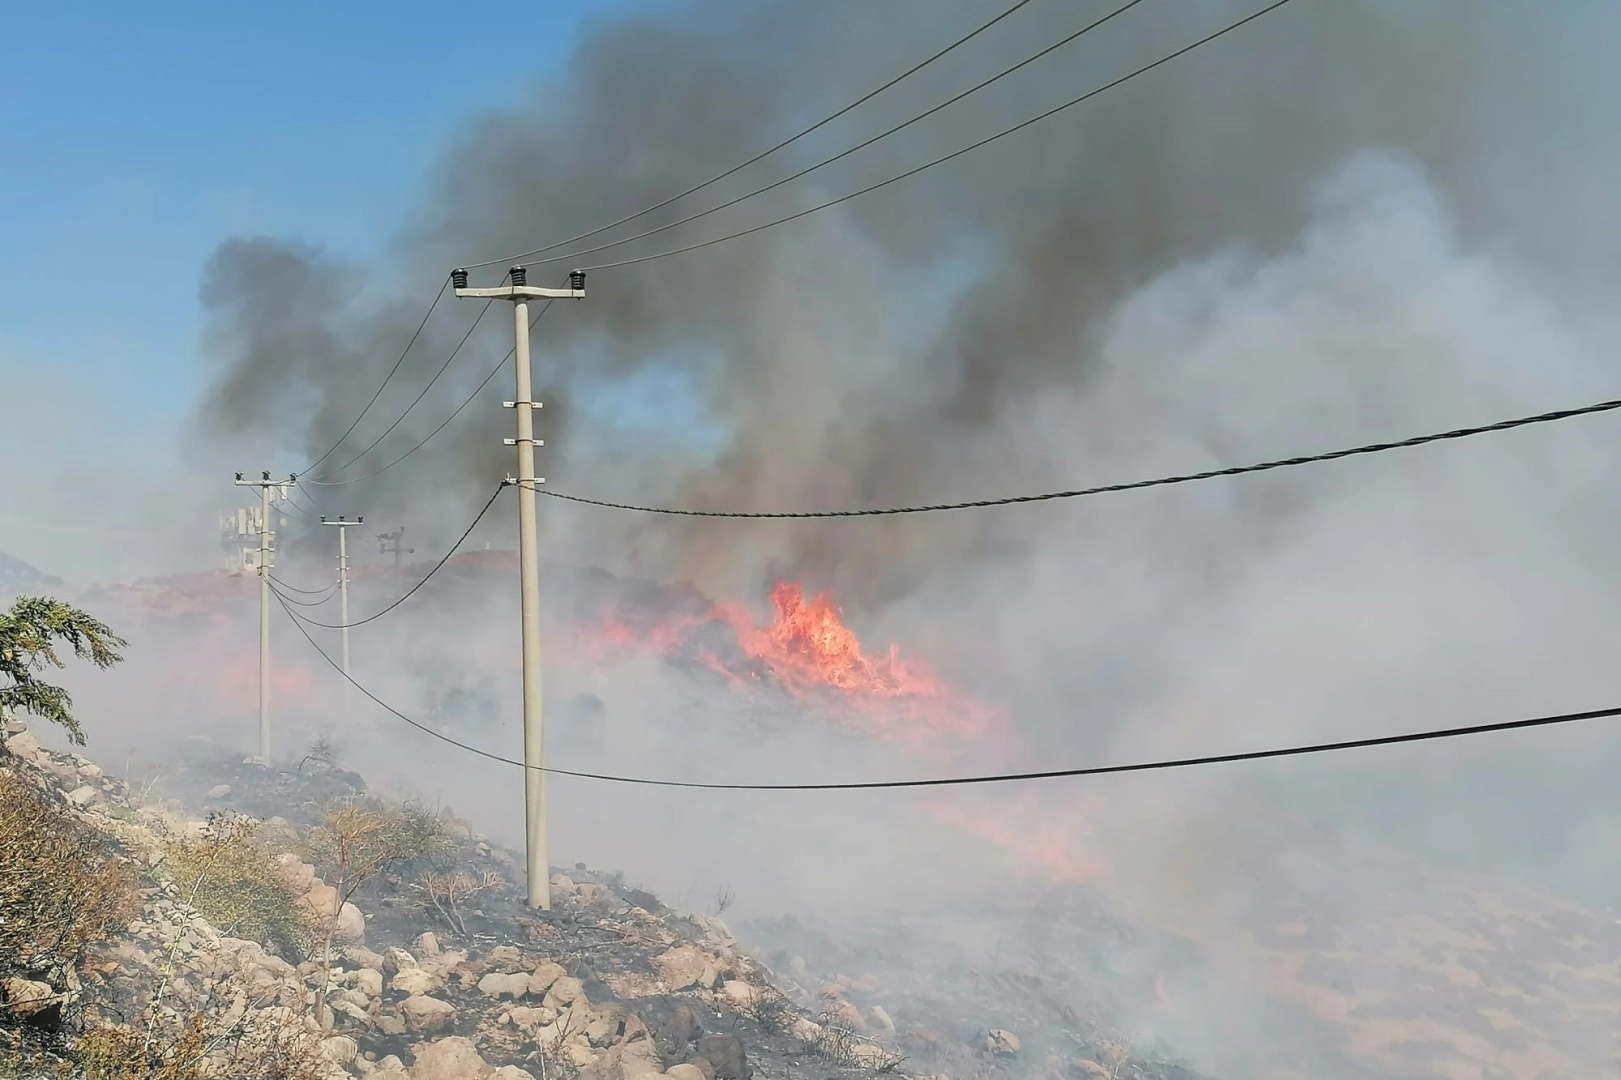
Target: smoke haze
pixel 1347 222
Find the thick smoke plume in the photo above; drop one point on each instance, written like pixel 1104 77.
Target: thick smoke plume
pixel 1347 222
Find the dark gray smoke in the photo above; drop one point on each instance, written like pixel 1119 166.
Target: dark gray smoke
pixel 1348 221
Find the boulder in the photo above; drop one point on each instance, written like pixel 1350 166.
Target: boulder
pixel 806 1030
pixel 414 981
pixel 24 745
pixel 83 796
pixel 26 997
pixel 319 901
pixel 868 1056
pixel 726 1054
pixel 740 993
pixel 426 944
pixel 340 1049
pixel 298 875
pixel 1001 1043
pixel 219 791
pixel 453 1058
pixel 705 1069
pixel 504 958
pixel 362 957
pixel 351 925
pixel 425 1014
pixel 395 959
pixel 498 986
pixel 1088 1067
pixel 625 1061
pixel 544 976
pixel 684 1025
pixel 685 1071
pixel 680 967
pixel 368 981
pixel 511 1072
pixel 565 992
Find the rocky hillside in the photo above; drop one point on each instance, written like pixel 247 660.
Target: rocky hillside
pixel 438 971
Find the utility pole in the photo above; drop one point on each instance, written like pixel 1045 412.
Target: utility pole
pixel 520 292
pixel 391 542
pixel 265 486
pixel 343 527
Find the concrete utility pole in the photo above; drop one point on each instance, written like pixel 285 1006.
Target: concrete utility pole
pixel 343 527
pixel 520 292
pixel 265 486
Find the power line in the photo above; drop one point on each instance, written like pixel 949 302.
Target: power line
pixel 443 285
pixel 1001 778
pixel 296 589
pixel 764 153
pixel 330 590
pixel 417 400
pixel 846 153
pixel 1134 485
pixel 436 567
pixel 446 423
pixel 954 154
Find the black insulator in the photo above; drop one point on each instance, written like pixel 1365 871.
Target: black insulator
pixel 458 279
pixel 520 276
pixel 576 280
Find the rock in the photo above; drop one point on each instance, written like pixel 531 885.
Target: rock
pixel 680 967
pixel 526 1019
pixel 726 1054
pixel 498 986
pixel 391 1023
pixel 561 885
pixel 882 1019
pixel 805 1030
pixel 511 1072
pixel 26 997
pixel 320 901
pixel 544 976
pixel 1088 1067
pixel 685 1071
pixel 395 959
pixel 219 791
pixel 590 894
pixel 740 993
pixel 298 875
pixel 504 958
pixel 362 957
pixel 24 745
pixel 704 1067
pixel 565 992
pixel 627 1060
pixel 414 981
pixel 89 769
pixel 582 1055
pixel 427 944
pixel 340 1049
pixel 83 796
pixel 1001 1043
pixel 684 1025
pixel 369 981
pixel 453 1058
pixel 424 1014
pixel 351 925
pixel 868 1056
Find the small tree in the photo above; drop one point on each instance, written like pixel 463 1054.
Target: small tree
pixel 355 842
pixel 28 636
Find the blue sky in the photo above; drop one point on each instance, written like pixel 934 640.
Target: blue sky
pixel 139 136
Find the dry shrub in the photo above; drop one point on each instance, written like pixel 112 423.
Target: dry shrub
pixel 235 883
pixel 448 892
pixel 210 1043
pixel 61 886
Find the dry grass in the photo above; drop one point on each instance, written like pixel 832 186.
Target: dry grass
pixel 61 886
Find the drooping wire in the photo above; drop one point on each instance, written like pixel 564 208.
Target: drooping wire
pixel 575 255
pixel 948 157
pixel 443 285
pixel 444 424
pixel 330 590
pixel 994 778
pixel 863 99
pixel 426 577
pixel 415 401
pixel 1133 485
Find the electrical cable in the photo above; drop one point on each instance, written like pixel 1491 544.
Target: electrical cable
pixel 391 372
pixel 436 568
pixel 574 255
pixel 296 589
pixel 1000 778
pixel 763 154
pixel 330 590
pixel 1134 485
pixel 418 399
pixel 942 160
pixel 446 423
